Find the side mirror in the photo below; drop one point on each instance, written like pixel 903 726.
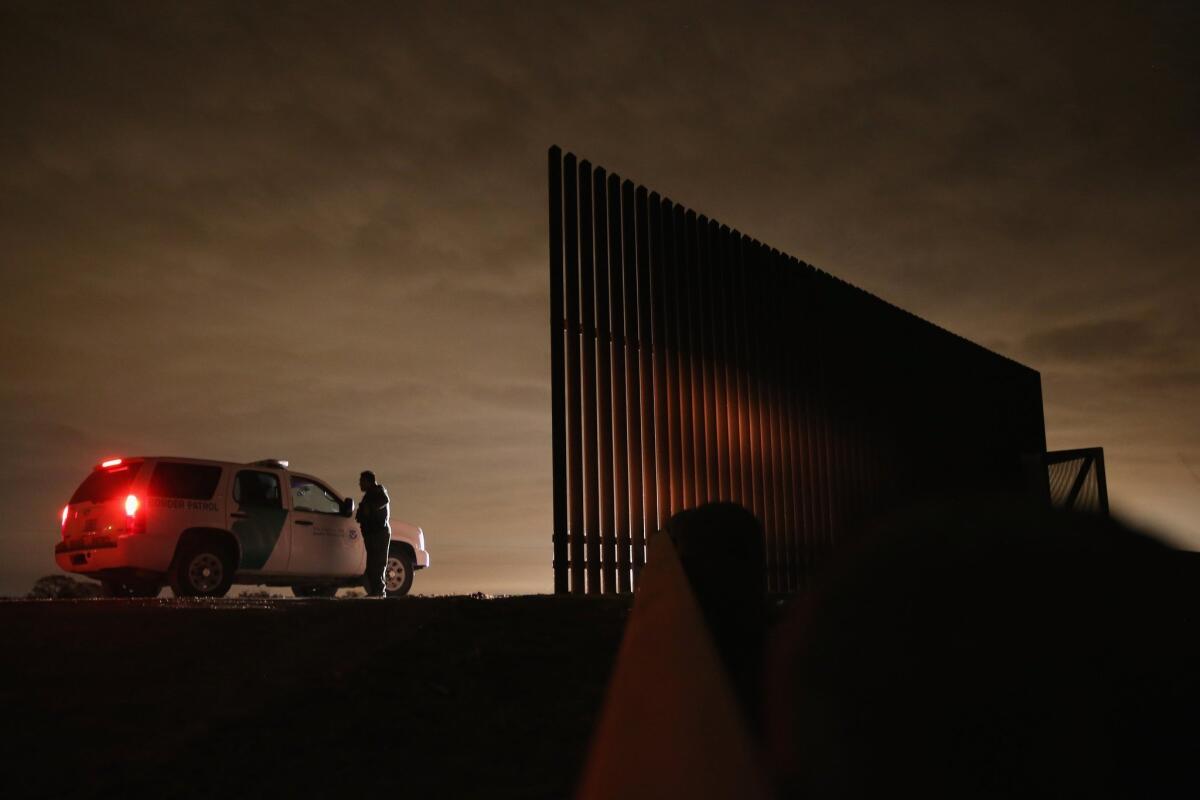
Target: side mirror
pixel 348 507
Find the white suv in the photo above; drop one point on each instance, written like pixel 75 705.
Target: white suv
pixel 139 523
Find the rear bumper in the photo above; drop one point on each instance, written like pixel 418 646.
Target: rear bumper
pixel 105 553
pixel 422 560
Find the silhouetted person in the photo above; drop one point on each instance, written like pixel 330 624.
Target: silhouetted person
pixel 372 517
pixel 986 649
pixel 720 547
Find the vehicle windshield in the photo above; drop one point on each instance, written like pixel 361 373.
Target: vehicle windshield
pixel 105 484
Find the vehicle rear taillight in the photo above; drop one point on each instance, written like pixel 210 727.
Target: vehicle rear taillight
pixel 112 462
pixel 134 522
pixel 66 509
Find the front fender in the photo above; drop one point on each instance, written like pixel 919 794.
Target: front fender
pixel 412 536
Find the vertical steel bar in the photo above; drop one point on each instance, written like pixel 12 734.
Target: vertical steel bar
pixel 804 382
pixel 668 237
pixel 618 559
pixel 726 350
pixel 712 384
pixel 782 428
pixel 845 403
pixel 699 357
pixel 606 554
pixel 719 305
pixel 773 419
pixel 649 355
pixel 826 417
pixel 795 439
pixel 574 376
pixel 633 389
pixel 673 316
pixel 687 226
pixel 771 312
pixel 754 383
pixel 660 273
pixel 671 481
pixel 859 366
pixel 745 377
pixel 764 500
pixel 763 371
pixel 695 226
pixel 558 386
pixel 591 460
pixel 833 364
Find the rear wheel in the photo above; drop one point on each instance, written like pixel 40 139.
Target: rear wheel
pixel 202 569
pixel 398 577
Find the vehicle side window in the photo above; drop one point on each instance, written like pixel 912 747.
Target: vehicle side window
pixel 308 495
pixel 184 481
pixel 261 489
pixel 106 484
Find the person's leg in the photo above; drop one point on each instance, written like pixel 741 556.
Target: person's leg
pixel 369 544
pixel 377 548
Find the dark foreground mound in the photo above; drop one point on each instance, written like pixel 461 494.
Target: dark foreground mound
pixel 446 697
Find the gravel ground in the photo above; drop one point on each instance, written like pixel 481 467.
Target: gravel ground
pixel 432 697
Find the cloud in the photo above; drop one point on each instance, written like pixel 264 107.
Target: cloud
pixel 320 230
pixel 1100 340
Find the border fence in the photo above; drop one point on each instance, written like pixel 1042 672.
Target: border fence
pixel 691 363
pixel 1076 479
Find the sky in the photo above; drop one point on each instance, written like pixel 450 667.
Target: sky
pixel 317 231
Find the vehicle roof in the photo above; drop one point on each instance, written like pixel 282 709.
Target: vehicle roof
pixel 191 460
pixel 253 464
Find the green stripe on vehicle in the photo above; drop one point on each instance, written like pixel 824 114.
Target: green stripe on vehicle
pixel 258 533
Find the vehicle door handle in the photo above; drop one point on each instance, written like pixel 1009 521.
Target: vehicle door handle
pixel 303 522
pixel 241 514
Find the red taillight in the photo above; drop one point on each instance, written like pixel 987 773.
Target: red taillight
pixel 134 522
pixel 112 462
pixel 64 516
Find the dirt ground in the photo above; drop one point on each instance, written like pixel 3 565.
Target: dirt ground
pixel 425 697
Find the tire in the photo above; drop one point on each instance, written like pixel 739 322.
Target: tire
pixel 129 589
pixel 314 590
pixel 399 575
pixel 202 569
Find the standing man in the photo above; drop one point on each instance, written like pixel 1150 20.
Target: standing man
pixel 372 517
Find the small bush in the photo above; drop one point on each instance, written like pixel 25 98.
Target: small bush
pixel 63 587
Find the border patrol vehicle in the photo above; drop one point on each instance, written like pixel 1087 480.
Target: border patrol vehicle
pixel 136 524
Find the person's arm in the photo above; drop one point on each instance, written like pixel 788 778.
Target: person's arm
pixel 383 507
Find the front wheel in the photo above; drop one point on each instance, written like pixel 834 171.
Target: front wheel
pixel 202 569
pixel 398 577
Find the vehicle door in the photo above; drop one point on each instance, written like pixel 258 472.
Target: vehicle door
pixel 324 542
pixel 259 520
